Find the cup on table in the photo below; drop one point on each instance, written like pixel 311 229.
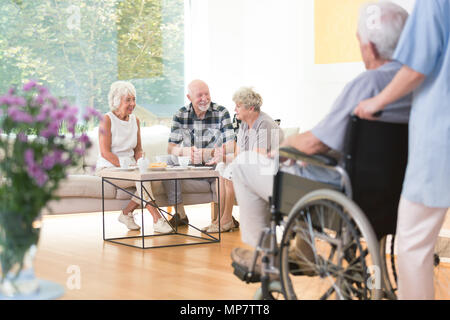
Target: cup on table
pixel 184 161
pixel 164 158
pixel 125 162
pixel 143 164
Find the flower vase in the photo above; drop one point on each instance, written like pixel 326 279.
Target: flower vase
pixel 19 236
pixel 18 247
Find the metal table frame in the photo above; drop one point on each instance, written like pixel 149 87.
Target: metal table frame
pixel 210 239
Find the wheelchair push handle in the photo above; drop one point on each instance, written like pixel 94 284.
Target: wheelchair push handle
pixel 375 115
pixel 317 159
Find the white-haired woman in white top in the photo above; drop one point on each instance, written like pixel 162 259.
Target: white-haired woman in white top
pixel 120 140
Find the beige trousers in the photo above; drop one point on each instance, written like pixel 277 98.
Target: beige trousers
pixel 127 184
pixel 418 228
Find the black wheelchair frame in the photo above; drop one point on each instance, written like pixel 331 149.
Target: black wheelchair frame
pixel 364 207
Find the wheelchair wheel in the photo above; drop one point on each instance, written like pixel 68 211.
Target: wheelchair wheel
pixel 442 268
pixel 275 292
pixel 329 250
pixel 441 261
pixel 388 266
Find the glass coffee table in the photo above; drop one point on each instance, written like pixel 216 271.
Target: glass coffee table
pixel 181 235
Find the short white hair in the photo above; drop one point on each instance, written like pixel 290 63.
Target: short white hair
pixel 249 98
pixel 117 91
pixel 381 23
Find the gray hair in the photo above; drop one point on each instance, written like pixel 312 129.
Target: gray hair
pixel 117 91
pixel 248 98
pixel 382 24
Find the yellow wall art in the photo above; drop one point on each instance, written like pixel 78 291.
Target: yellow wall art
pixel 335 23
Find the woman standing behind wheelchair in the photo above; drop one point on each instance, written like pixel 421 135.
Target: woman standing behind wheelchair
pixel 120 142
pixel 257 132
pixel 424 50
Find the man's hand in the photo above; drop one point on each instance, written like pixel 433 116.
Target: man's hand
pixel 275 153
pixel 184 152
pixel 368 108
pixel 196 155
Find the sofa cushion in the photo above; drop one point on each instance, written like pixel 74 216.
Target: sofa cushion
pixel 155 140
pixel 85 186
pixel 90 158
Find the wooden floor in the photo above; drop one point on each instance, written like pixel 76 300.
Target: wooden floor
pixel 72 246
pixel 111 271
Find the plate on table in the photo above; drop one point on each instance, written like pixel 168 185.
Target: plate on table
pixel 201 167
pixel 125 169
pixel 177 168
pixel 156 168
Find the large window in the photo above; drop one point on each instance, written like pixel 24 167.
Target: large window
pixel 78 48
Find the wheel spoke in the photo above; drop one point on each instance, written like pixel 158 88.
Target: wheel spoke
pixel 338 258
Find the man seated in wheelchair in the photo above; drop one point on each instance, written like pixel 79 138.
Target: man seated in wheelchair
pixel 253 174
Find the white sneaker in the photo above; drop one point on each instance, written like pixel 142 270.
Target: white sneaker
pixel 162 226
pixel 128 221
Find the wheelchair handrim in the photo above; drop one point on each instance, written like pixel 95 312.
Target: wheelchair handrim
pixel 359 219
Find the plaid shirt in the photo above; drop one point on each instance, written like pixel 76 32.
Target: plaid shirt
pixel 214 130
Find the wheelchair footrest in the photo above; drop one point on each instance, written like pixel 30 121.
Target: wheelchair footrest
pixel 243 273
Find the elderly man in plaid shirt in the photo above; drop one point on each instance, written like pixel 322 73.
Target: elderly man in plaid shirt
pixel 203 131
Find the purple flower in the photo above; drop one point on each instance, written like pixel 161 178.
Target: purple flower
pixel 51 131
pixel 22 137
pixel 6 99
pixel 91 112
pixel 57 114
pixel 49 161
pixel 53 101
pixel 44 113
pixel 29 157
pixel 79 151
pixel 84 139
pixel 33 170
pixel 19 116
pixel 11 91
pixel 38 101
pixel 29 85
pixel 57 155
pixel 40 177
pixel 18 101
pixel 71 111
pixel 43 90
pixel 66 162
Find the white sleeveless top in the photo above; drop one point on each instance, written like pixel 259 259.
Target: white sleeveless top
pixel 123 140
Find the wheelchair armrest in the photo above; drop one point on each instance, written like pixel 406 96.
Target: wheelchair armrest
pixel 317 159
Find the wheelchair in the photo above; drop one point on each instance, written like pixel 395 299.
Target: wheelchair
pixel 346 230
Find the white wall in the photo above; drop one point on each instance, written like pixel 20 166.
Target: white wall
pixel 267 44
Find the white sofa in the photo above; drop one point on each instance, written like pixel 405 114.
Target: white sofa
pixel 82 190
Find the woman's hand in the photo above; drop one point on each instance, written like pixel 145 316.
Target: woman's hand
pixel 138 154
pixel 218 156
pixel 367 109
